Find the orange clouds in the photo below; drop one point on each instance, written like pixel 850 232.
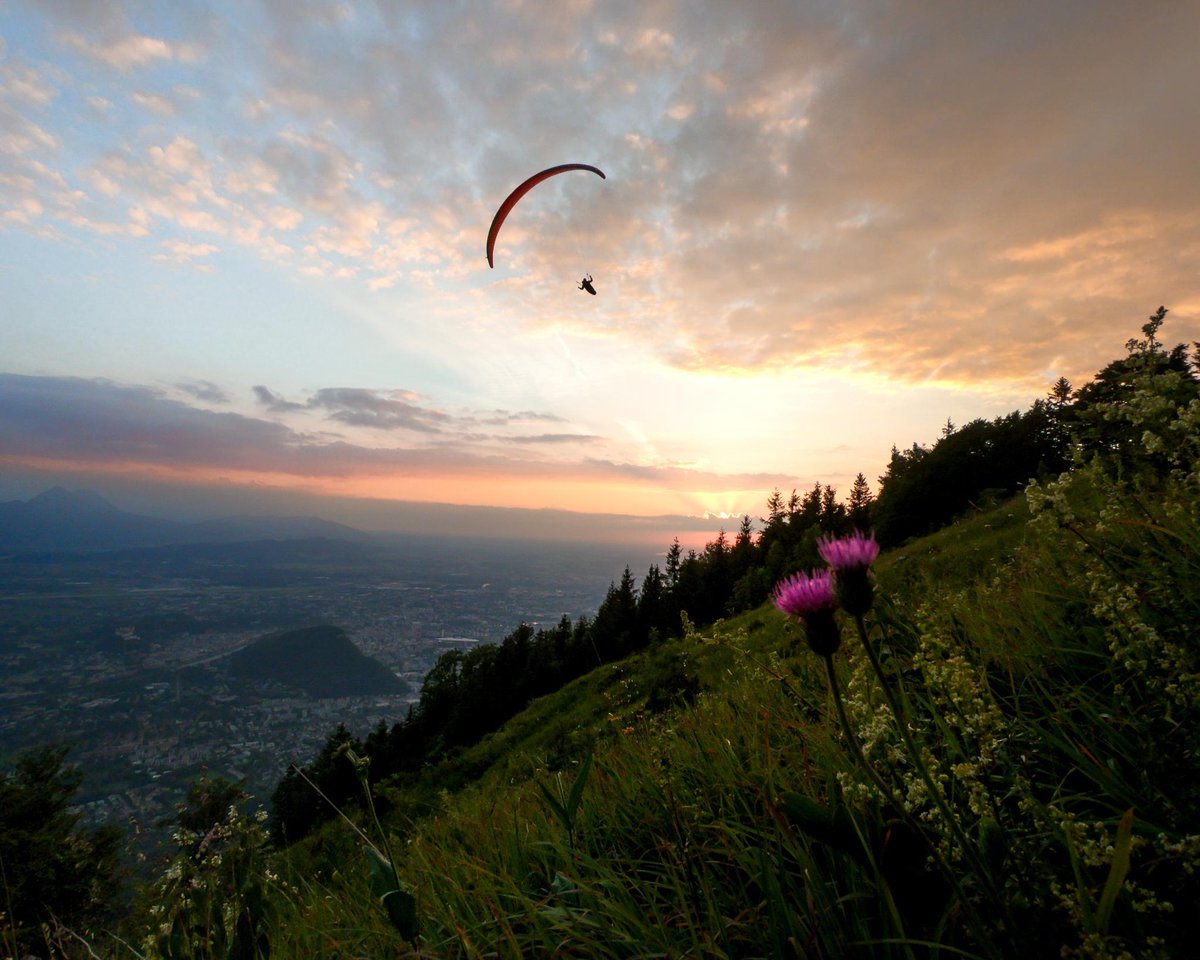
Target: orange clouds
pixel 825 229
pixel 97 427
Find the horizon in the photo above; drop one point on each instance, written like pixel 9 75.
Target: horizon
pixel 422 519
pixel 242 248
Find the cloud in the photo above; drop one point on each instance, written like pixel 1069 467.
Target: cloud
pixel 97 424
pixel 154 103
pixel 844 198
pixel 504 418
pixel 386 411
pixel 179 251
pixel 923 193
pixel 131 51
pixel 273 402
pixel 378 410
pixel 555 438
pixel 93 421
pixel 204 390
pixel 22 83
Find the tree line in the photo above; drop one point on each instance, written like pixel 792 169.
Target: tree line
pixel 59 873
pixel 471 693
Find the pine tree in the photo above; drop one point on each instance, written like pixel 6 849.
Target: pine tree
pixel 1060 393
pixel 743 554
pixel 673 560
pixel 54 870
pixel 652 606
pixel 615 626
pixel 833 514
pixel 774 508
pixel 859 507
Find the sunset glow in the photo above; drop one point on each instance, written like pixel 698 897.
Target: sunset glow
pixel 242 245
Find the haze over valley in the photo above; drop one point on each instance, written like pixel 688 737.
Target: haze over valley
pixel 151 659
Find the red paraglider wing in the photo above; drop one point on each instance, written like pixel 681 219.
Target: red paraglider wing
pixel 511 200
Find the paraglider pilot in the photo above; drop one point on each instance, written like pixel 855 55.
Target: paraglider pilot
pixel 586 284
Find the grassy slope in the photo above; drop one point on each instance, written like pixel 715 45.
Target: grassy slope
pixel 1052 684
pixel 1010 769
pixel 598 705
pixel 477 844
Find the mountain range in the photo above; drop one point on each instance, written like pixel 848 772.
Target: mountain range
pixel 83 521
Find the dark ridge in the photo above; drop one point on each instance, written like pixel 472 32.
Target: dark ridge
pixel 82 521
pixel 322 661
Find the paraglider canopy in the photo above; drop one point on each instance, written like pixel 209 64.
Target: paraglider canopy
pixel 511 200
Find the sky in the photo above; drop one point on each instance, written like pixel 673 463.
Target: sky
pixel 242 246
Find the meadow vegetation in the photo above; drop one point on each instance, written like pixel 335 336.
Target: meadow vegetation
pixel 992 756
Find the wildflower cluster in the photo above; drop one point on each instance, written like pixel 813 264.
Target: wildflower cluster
pixel 212 899
pixel 813 597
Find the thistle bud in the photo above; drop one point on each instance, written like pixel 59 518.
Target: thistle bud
pixel 850 559
pixel 809 598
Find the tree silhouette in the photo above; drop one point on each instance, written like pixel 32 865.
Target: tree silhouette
pixel 54 870
pixel 858 509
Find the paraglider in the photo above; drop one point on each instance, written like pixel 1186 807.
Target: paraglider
pixel 586 284
pixel 511 200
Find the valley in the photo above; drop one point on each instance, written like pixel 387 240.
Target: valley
pixel 126 654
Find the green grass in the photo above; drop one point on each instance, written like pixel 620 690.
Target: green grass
pixel 970 548
pixel 700 799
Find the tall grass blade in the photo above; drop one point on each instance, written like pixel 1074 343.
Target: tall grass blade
pixel 1117 871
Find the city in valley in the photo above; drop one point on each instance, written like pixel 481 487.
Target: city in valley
pixel 126 654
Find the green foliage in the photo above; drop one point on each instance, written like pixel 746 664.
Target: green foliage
pixel 296 807
pixel 216 898
pixel 208 801
pixel 926 488
pixel 1109 418
pixel 565 805
pixel 1007 769
pixel 53 872
pixel 399 905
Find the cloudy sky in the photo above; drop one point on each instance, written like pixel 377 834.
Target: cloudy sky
pixel 242 244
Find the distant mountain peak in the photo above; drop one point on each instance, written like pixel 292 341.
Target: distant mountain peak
pixel 61 497
pixel 74 520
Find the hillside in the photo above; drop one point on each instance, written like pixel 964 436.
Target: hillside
pixel 973 744
pixel 322 661
pixel 703 799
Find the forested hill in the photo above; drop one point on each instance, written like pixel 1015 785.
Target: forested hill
pixel 988 764
pixel 468 695
pixel 322 661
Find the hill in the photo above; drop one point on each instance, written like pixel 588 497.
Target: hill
pixel 982 754
pixel 322 661
pixel 705 798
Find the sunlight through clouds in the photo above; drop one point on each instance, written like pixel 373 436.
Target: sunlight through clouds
pixel 935 208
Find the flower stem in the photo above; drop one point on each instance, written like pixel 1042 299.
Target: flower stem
pixel 855 747
pixel 888 793
pixel 918 761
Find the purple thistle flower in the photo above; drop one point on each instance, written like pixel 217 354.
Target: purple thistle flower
pixel 855 552
pixel 809 597
pixel 804 594
pixel 851 558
